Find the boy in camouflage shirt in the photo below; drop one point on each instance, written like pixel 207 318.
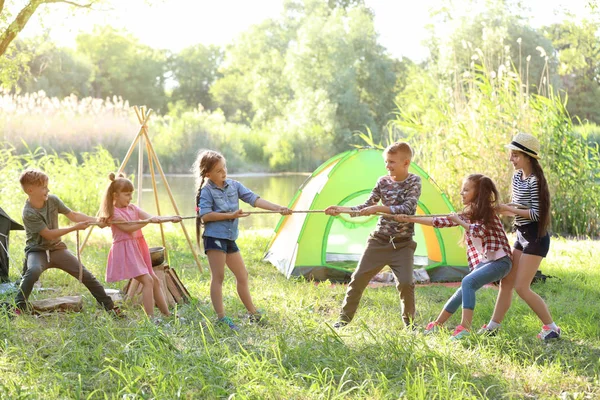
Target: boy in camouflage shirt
pixel 391 242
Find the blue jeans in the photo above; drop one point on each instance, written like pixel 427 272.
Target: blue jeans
pixel 487 272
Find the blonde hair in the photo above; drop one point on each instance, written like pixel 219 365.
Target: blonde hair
pixel 399 147
pixel 205 162
pixel 33 177
pixel 118 184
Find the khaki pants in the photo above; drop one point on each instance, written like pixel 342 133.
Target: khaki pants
pixel 379 253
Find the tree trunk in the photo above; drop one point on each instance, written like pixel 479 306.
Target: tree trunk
pixel 18 24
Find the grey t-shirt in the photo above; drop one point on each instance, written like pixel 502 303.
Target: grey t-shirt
pixel 36 219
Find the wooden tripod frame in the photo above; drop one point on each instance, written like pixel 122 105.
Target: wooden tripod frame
pixel 143 116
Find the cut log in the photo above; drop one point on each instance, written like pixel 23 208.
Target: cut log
pixel 64 303
pixel 172 287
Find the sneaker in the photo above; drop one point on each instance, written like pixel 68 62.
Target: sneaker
pixel 11 311
pixel 256 318
pixel 340 324
pixel 432 327
pixel 229 322
pixel 488 331
pixel 117 313
pixel 459 333
pixel 548 333
pixel 410 324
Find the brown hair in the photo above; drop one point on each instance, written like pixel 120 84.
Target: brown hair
pixel 399 147
pixel 483 207
pixel 205 162
pixel 33 177
pixel 543 195
pixel 118 184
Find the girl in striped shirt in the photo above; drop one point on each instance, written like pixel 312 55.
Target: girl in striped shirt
pixel 488 250
pixel 531 208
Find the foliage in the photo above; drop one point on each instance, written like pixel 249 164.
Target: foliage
pixel 461 127
pixel 80 184
pixel 195 69
pixel 124 67
pixel 579 53
pixel 497 36
pixel 316 74
pixel 14 16
pixel 58 72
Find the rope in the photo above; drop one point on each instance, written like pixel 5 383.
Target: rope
pixel 385 215
pixel 79 259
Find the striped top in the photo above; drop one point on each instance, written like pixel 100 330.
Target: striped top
pixel 527 193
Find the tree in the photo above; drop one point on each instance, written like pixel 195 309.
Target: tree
pixel 578 51
pixel 59 72
pixel 13 18
pixel 124 67
pixel 195 69
pixel 12 25
pixel 309 80
pixel 496 38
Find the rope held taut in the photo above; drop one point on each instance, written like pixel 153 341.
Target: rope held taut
pixel 385 215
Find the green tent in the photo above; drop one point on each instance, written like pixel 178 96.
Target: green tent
pixel 320 247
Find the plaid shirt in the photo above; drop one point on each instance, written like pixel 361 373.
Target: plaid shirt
pixel 493 237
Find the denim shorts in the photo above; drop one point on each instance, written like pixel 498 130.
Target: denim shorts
pixel 224 245
pixel 528 241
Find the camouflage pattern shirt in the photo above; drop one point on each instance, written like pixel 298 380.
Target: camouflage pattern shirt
pixel 401 197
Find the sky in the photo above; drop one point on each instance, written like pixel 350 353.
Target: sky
pixel 176 24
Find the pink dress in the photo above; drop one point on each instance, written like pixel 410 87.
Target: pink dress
pixel 129 255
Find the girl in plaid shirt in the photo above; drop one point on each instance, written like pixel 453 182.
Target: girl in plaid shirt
pixel 488 251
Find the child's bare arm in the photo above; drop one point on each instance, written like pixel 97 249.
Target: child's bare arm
pixel 267 205
pixel 75 216
pixel 53 234
pixel 411 218
pixel 337 210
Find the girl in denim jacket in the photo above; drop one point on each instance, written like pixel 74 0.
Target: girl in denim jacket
pixel 217 199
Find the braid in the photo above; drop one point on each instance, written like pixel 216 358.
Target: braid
pixel 205 161
pixel 198 221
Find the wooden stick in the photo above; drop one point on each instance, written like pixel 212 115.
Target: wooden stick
pixel 162 174
pixel 79 259
pixel 122 166
pixel 154 188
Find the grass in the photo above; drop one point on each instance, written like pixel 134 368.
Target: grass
pixel 297 355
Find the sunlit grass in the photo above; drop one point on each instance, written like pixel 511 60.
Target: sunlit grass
pixel 297 354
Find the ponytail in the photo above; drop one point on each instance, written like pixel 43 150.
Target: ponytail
pixel 118 183
pixel 544 197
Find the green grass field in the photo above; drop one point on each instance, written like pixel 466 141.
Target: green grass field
pixel 296 354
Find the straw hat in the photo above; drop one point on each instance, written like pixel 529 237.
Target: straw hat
pixel 525 143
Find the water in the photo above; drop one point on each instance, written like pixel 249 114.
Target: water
pixel 279 189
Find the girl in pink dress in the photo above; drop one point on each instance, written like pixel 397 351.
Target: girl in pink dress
pixel 129 256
